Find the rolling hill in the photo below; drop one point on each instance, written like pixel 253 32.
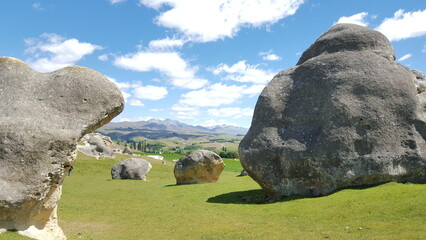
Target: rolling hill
pixel 161 129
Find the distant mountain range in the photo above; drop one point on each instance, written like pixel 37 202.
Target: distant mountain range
pixel 156 129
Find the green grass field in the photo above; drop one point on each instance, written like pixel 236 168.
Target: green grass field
pixel 95 207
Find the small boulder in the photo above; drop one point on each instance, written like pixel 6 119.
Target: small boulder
pixel 200 166
pixel 131 168
pixel 127 151
pixel 243 173
pixel 96 145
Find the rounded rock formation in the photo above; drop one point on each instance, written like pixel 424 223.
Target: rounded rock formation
pixel 131 168
pixel 127 151
pixel 43 115
pixel 200 166
pixel 96 145
pixel 346 115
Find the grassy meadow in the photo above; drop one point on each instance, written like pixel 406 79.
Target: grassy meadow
pixel 95 207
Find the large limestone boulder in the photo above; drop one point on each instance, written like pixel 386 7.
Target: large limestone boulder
pixel 200 166
pixel 346 115
pixel 131 168
pixel 42 117
pixel 96 145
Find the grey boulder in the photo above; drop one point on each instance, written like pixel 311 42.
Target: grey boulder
pixel 127 151
pixel 131 168
pixel 43 115
pixel 346 115
pixel 96 145
pixel 199 166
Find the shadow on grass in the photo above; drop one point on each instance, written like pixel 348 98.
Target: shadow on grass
pixel 171 185
pixel 259 197
pixel 238 197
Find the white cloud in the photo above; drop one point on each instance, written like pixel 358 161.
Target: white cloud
pixel 156 110
pixel 116 1
pixel 189 83
pixel 424 49
pixel 185 112
pixel 103 57
pixel 269 56
pixel 234 112
pixel 126 87
pixel 166 43
pixel 51 52
pixel 405 57
pixel 210 20
pixel 169 63
pixel 213 96
pixel 217 122
pixel 242 72
pixel 150 92
pixel 404 25
pixel 254 89
pixel 358 19
pixel 147 118
pixel 38 6
pixel 121 119
pixel 136 103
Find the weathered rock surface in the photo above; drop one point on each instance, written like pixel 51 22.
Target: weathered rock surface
pixel 42 117
pixel 200 166
pixel 96 145
pixel 127 150
pixel 131 168
pixel 346 115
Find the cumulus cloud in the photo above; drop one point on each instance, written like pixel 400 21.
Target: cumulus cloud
pixel 150 92
pixel 217 122
pixel 166 43
pixel 51 51
pixel 136 103
pixel 134 92
pixel 156 110
pixel 404 25
pixel 234 112
pixel 185 111
pixel 103 57
pixel 218 19
pixel 219 94
pixel 116 1
pixel 243 72
pixel 254 90
pixel 124 87
pixel 269 56
pixel 405 57
pixel 358 19
pixel 213 96
pixel 168 63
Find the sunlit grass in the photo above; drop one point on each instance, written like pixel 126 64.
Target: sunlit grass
pixel 95 207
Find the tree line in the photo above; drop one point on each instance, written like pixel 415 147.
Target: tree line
pixel 144 146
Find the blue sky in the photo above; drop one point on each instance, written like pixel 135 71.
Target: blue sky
pixel 202 62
